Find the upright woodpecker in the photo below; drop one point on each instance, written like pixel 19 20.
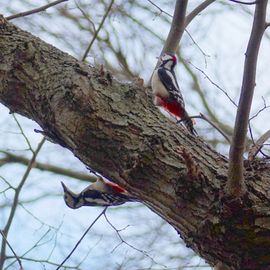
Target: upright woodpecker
pixel 100 193
pixel 166 90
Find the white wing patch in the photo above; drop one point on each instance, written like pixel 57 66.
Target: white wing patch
pixel 168 79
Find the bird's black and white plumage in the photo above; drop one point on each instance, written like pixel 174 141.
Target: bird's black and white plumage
pixel 167 92
pixel 100 193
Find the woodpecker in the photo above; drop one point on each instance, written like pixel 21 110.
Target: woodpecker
pixel 100 193
pixel 167 93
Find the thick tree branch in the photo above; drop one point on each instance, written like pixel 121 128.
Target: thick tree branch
pixel 176 30
pixel 177 27
pixel 35 10
pixel 115 129
pixel 236 185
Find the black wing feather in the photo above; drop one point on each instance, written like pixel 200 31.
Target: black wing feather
pixel 171 84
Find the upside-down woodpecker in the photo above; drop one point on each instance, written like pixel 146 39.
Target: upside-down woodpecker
pixel 100 193
pixel 167 93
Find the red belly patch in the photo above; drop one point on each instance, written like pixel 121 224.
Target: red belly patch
pixel 173 107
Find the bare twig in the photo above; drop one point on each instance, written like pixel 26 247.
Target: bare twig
pixel 202 116
pixel 43 261
pixel 35 10
pixel 244 3
pixel 215 84
pixel 261 110
pixel 85 233
pixel 205 101
pixel 254 150
pixel 198 46
pixel 16 201
pixel 253 141
pixel 17 258
pixel 23 134
pixel 97 31
pixel 160 9
pixel 125 242
pixel 236 185
pixel 86 16
pixel 254 116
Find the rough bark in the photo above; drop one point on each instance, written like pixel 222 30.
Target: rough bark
pixel 114 128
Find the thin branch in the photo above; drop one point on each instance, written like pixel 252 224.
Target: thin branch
pixel 236 185
pixel 125 242
pixel 16 201
pixel 160 9
pixel 43 261
pixel 254 150
pixel 245 3
pixel 215 84
pixel 205 101
pixel 97 31
pixel 9 157
pixel 17 258
pixel 197 10
pixel 202 116
pixel 7 183
pixel 253 144
pixel 35 10
pixel 249 124
pixel 261 110
pixel 23 134
pixel 198 46
pixel 86 16
pixel 77 244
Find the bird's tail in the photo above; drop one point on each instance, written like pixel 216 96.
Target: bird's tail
pixel 188 123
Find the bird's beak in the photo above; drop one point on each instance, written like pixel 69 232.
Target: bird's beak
pixel 67 190
pixel 64 187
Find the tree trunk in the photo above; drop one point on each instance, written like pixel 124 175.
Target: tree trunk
pixel 115 129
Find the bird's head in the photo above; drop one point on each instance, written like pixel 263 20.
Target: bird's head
pixel 168 59
pixel 72 199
